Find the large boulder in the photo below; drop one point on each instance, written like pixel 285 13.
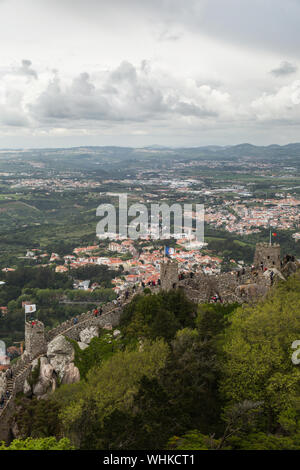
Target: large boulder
pixel 14 427
pixel 27 389
pixel 251 291
pixel 45 379
pixel 88 334
pixel 60 353
pixel 290 268
pixel 276 273
pixel 71 374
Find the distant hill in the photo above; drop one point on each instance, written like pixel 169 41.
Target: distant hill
pixel 101 160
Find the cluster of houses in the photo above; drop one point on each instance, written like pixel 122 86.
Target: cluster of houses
pixel 137 264
pixel 140 266
pixel 237 217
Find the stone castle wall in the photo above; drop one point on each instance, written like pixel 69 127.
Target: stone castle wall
pixel 202 287
pixel 111 315
pixel 112 318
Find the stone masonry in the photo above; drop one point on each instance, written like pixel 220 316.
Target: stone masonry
pixel 267 254
pixel 169 274
pixel 35 343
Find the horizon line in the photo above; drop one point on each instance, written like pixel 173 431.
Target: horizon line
pixel 153 146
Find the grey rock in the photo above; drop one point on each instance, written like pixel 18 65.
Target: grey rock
pixel 88 334
pixel 60 353
pixel 27 389
pixel 71 374
pixel 45 379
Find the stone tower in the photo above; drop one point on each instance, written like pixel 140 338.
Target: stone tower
pixel 268 254
pixel 168 274
pixel 35 342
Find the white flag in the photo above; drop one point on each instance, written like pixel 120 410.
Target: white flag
pixel 30 308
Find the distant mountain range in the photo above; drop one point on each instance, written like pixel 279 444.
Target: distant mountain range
pixel 111 153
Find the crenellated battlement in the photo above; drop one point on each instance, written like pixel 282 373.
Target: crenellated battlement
pixel 267 256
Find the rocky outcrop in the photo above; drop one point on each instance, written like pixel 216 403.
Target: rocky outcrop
pixel 251 291
pixel 45 379
pixel 82 346
pixel 71 374
pixel 27 390
pixel 290 268
pixel 60 353
pixel 88 334
pixel 57 364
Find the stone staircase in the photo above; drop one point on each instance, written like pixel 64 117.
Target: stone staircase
pixel 18 371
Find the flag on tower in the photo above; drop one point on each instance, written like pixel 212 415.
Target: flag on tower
pixel 169 251
pixel 30 308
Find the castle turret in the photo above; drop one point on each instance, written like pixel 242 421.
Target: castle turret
pixel 168 274
pixel 35 342
pixel 267 255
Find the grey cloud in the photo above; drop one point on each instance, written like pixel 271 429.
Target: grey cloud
pixel 126 94
pixel 269 24
pixel 285 68
pixel 79 101
pixel 26 69
pixel 125 71
pixel 167 36
pixel 13 118
pixel 191 109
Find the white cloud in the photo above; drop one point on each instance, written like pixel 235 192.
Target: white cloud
pixel 284 104
pixel 127 94
pixel 138 98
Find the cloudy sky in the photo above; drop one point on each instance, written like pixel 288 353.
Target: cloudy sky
pixel 143 72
